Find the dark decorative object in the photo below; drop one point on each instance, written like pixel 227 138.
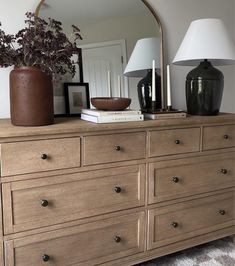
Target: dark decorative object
pixel 204 90
pixel 144 61
pixel 206 43
pixel 110 103
pixel 76 98
pixel 45 257
pixel 145 93
pixel 40 52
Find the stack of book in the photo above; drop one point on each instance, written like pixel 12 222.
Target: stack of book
pixel 98 116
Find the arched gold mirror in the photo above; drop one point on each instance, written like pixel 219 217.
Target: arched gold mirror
pixel 110 30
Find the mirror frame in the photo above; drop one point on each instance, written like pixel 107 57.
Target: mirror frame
pixel 151 9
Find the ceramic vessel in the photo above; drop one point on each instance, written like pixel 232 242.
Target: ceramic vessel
pixel 31 97
pixel 204 90
pixel 111 103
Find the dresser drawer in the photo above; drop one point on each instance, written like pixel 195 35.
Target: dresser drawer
pixel 186 220
pixel 35 203
pixel 184 177
pixel 174 141
pixel 42 155
pixel 114 148
pixel 218 137
pixel 87 244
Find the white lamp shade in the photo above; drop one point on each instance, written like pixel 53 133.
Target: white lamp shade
pixel 206 39
pixel 145 51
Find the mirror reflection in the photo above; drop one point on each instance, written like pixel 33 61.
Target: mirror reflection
pixel 110 30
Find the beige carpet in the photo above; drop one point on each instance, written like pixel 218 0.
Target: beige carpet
pixel 216 253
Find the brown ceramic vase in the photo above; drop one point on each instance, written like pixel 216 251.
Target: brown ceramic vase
pixel 31 97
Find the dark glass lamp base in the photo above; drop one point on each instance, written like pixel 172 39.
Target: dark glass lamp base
pixel 204 89
pixel 144 89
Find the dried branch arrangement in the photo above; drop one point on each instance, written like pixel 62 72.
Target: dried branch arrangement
pixel 40 44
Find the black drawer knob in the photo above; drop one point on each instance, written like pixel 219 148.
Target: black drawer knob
pixel 117 239
pixel 222 212
pixel 175 179
pixel 226 136
pixel 177 141
pixel 44 203
pixel 44 156
pixel 117 148
pixel 118 189
pixel 45 257
pixel 224 171
pixel 174 224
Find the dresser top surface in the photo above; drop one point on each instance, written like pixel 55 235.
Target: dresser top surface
pixel 75 125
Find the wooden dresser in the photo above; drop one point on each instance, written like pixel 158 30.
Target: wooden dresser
pixel 77 193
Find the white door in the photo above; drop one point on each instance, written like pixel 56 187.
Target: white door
pixel 98 59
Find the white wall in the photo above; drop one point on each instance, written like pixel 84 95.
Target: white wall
pixel 176 16
pixel 12 16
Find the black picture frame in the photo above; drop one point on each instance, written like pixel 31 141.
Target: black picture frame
pixel 76 97
pixel 59 100
pixel 80 66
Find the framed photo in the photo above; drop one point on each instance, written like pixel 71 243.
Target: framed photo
pixel 76 97
pixel 58 85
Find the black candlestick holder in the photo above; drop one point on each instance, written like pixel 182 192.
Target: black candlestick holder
pixel 163 113
pixel 167 110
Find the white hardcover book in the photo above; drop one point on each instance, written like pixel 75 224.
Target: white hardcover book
pixel 112 119
pixel 100 113
pixel 165 115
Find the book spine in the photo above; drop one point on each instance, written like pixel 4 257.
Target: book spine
pixel 165 116
pixel 89 118
pixel 110 113
pixel 112 119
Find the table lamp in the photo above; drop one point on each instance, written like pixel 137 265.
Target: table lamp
pixel 144 61
pixel 206 42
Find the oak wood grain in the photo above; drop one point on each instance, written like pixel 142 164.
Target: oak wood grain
pixel 71 197
pixel 26 157
pixel 171 248
pixel 173 179
pixel 113 148
pixel 83 208
pixel 174 141
pixel 218 137
pixel 191 218
pixel 1 230
pixel 75 125
pixel 80 244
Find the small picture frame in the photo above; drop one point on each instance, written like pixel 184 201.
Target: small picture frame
pixel 76 98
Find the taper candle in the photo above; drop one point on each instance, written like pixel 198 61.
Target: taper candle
pixel 109 84
pixel 153 82
pixel 168 86
pixel 119 86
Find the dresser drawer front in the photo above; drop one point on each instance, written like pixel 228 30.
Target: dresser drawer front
pixel 174 141
pixel 35 203
pixel 185 220
pixel 89 243
pixel 218 137
pixel 184 177
pixel 42 155
pixel 114 148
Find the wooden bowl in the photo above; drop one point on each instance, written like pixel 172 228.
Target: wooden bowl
pixel 110 103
